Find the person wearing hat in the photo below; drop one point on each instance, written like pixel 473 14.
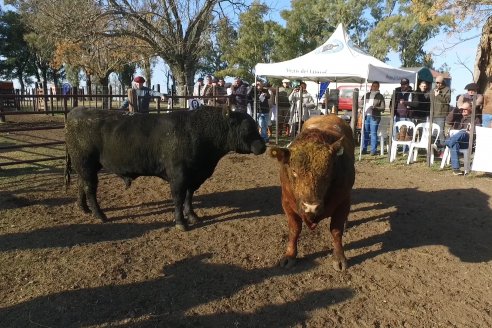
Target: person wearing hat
pixel 405 101
pixel 143 94
pixel 487 105
pixel 440 97
pixel 472 89
pixel 198 87
pixel 239 95
pixel 283 107
pixel 219 90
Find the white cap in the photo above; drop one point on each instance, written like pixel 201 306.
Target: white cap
pixel 285 80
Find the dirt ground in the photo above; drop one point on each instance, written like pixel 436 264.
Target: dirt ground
pixel 418 241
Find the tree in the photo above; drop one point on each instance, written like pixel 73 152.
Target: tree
pixel 459 16
pixel 253 45
pixel 177 31
pixel 16 57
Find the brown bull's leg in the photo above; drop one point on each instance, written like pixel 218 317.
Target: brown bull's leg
pixel 90 189
pixel 188 208
pixel 295 228
pixel 337 226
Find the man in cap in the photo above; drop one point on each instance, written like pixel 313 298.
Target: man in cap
pixel 440 97
pixel 487 105
pixel 219 90
pixel 404 101
pixel 239 95
pixel 472 89
pixel 198 87
pixel 143 94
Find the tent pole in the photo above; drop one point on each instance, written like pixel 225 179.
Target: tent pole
pixel 363 121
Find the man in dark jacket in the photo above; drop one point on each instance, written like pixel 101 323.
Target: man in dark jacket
pixel 405 101
pixel 240 95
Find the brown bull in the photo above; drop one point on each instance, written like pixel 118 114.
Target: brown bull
pixel 317 174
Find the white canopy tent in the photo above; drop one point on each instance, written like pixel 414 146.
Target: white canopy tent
pixel 337 60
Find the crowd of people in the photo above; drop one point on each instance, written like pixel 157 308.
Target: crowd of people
pixel 417 106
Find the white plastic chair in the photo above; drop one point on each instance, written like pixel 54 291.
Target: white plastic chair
pixel 446 157
pixel 395 143
pixel 420 140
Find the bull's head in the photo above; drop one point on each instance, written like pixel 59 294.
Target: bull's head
pixel 244 134
pixel 308 166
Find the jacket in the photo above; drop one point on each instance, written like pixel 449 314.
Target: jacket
pixel 378 105
pixel 440 103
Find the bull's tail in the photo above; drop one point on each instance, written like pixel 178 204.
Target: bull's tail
pixel 68 168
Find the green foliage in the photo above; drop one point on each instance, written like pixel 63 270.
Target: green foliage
pixel 16 57
pixel 253 45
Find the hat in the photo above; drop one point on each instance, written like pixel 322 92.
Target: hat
pixel 471 86
pixel 139 79
pixel 404 81
pixel 285 81
pixel 200 79
pixel 215 80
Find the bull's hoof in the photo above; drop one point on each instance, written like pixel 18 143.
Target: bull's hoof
pixel 84 208
pixel 193 218
pixel 288 262
pixel 102 217
pixel 181 227
pixel 339 264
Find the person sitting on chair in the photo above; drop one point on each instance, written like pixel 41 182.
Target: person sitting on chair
pixel 460 119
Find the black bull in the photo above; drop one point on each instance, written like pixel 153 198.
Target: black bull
pixel 181 147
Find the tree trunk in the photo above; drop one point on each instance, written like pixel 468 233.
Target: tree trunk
pixel 184 83
pixel 483 62
pixel 104 82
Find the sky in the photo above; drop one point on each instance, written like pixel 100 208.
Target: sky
pixel 464 52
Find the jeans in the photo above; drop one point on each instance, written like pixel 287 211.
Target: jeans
pixel 263 123
pixel 486 119
pixel 371 125
pixel 456 142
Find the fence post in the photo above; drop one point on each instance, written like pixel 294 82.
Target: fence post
pixel 75 99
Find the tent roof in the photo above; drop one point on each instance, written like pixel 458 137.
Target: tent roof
pixel 338 59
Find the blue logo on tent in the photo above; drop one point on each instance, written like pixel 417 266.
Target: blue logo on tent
pixel 333 46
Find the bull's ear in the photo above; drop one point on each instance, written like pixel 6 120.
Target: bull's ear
pixel 281 154
pixel 338 146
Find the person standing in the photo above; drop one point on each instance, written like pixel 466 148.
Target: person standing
pixel 374 105
pixel 487 105
pixel 239 94
pixel 198 88
pixel 263 109
pixel 220 91
pixel 404 102
pixel 421 113
pixel 143 96
pixel 283 107
pixel 301 102
pixel 440 98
